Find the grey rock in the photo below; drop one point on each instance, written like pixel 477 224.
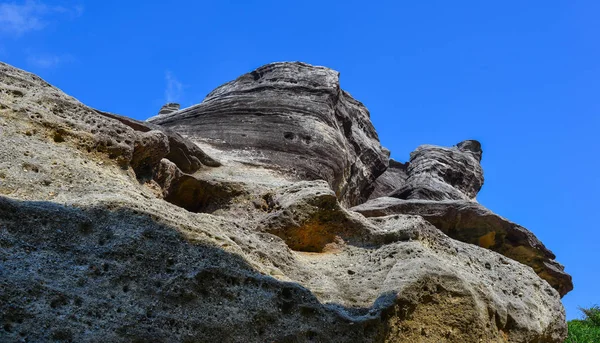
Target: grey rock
pixel 102 241
pixel 470 222
pixel 91 274
pixel 185 154
pixel 309 218
pixel 169 108
pixel 296 118
pixel 392 179
pixel 192 193
pixel 149 148
pixel 438 173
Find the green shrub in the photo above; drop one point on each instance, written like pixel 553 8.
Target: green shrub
pixel 586 330
pixel 581 332
pixel 592 315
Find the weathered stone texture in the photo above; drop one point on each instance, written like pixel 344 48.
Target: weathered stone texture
pixel 169 108
pixel 231 224
pixel 438 173
pixel 392 179
pixel 470 222
pixel 293 117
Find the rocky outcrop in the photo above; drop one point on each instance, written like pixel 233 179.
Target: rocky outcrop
pixel 438 173
pixel 89 273
pixel 440 186
pixel 105 235
pixel 295 118
pixel 470 222
pixel 185 154
pixel 392 179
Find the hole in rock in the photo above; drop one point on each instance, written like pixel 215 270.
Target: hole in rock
pixel 306 139
pixel 320 228
pixel 58 136
pixel 201 196
pixel 289 135
pixel 310 237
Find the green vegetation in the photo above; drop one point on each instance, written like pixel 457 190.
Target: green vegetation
pixel 586 330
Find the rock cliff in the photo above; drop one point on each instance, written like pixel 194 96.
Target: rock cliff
pixel 246 218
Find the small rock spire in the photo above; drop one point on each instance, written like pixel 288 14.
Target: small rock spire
pixel 169 108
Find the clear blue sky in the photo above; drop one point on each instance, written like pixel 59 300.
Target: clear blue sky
pixel 523 77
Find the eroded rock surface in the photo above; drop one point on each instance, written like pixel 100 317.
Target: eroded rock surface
pixel 293 117
pixel 441 186
pixel 439 173
pixel 107 235
pixel 169 108
pixel 470 222
pixel 392 179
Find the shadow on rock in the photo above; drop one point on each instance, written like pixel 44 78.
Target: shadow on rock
pixel 72 274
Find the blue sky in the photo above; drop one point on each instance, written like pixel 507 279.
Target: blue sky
pixel 523 77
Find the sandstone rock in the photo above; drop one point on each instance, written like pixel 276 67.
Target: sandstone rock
pixel 149 148
pixel 441 186
pixel 92 273
pixel 100 240
pixel 472 223
pixel 392 179
pixel 194 194
pixel 185 154
pixel 438 173
pixel 308 217
pixel 169 108
pixel 293 117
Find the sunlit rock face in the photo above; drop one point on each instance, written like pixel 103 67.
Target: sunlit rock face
pixel 440 184
pixel 117 230
pixel 293 117
pixel 169 108
pixel 439 173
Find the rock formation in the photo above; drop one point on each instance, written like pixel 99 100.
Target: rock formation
pixel 169 108
pixel 390 180
pixel 229 221
pixel 472 223
pixel 294 118
pixel 437 173
pixel 440 185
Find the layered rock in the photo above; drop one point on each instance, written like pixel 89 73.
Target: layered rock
pixel 293 117
pixel 392 179
pixel 470 222
pixel 441 185
pixel 105 235
pixel 439 173
pixel 169 108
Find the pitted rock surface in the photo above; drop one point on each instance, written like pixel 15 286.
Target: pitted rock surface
pixel 470 222
pixel 106 236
